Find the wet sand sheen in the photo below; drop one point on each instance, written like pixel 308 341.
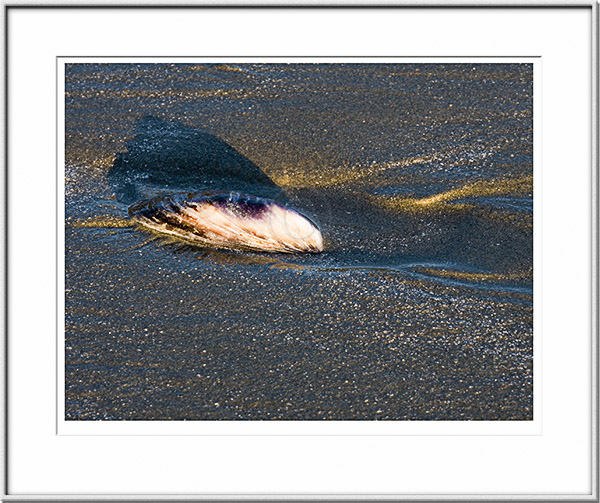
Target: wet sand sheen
pixel 419 307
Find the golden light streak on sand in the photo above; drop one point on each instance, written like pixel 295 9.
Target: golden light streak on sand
pixel 106 222
pixel 296 179
pixel 504 186
pixel 472 276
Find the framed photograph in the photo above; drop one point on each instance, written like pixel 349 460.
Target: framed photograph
pixel 301 252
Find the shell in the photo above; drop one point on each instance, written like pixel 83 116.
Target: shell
pixel 230 220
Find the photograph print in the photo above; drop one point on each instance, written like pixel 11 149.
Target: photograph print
pixel 298 241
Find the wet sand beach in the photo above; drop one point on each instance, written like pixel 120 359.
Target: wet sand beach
pixel 420 307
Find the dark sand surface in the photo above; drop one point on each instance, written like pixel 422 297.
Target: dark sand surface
pixel 421 306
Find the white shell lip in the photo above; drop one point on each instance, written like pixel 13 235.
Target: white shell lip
pixel 230 220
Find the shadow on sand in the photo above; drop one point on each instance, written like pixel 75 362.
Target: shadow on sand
pixel 171 157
